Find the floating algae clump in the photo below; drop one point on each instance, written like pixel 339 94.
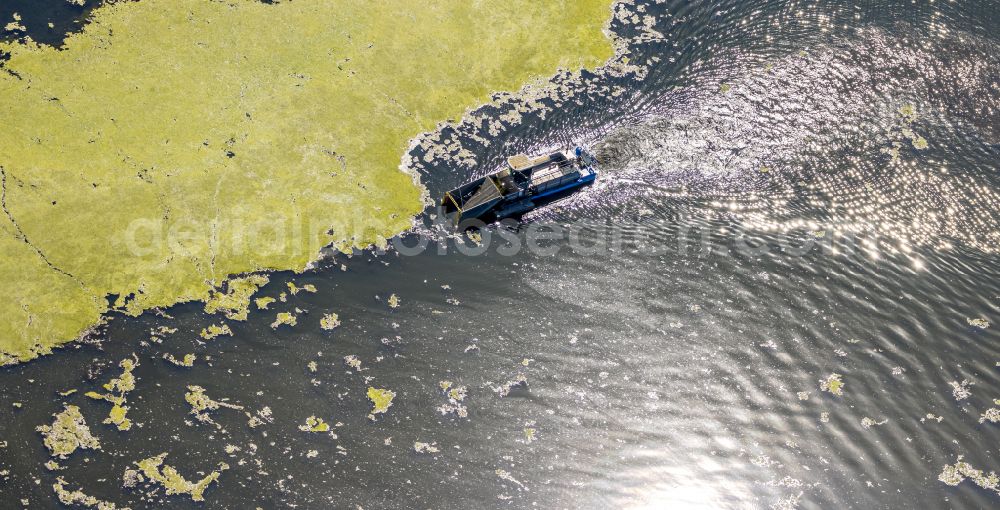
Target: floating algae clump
pixel 235 302
pixel 212 332
pixel 868 423
pixel 909 112
pixel 833 384
pixel 187 361
pixel 15 26
pixel 960 390
pixel 329 321
pixel 991 415
pixel 284 319
pixel 117 390
pixel 393 301
pixel 978 322
pixel 201 404
pixel 421 447
pixel 455 394
pixel 77 497
pixel 314 424
pixel 170 479
pixel 264 302
pixel 295 289
pixel 68 432
pixel 956 473
pixel 381 400
pixel 353 362
pixel 246 142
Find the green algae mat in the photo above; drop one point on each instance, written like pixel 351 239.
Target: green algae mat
pixel 173 143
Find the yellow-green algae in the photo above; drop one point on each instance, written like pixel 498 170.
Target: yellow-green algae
pixel 954 474
pixel 455 395
pixel 295 289
pixel 381 400
pixel 201 404
pixel 329 321
pixel 117 389
pixel 214 331
pixel 154 470
pixel 834 383
pixel 79 498
pixel 235 302
pixel 187 361
pixel 314 424
pixel 173 143
pixel 284 319
pixel 68 432
pixel 978 322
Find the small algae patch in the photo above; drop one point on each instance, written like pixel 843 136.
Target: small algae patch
pixel 216 157
pixel 67 433
pixel 909 115
pixel 954 474
pixel 978 322
pixel 264 302
pixel 329 321
pixel 262 417
pixel 455 395
pixel 909 112
pixel 117 390
pixel 834 383
pixel 79 498
pixel 284 319
pixel 235 302
pixel 381 400
pixel 960 390
pixel 421 447
pixel 314 424
pixel 201 404
pixel 530 434
pixel 353 362
pixel 155 471
pixel 991 415
pixel 215 331
pixel 868 423
pixel 187 361
pixel 15 25
pixel 393 301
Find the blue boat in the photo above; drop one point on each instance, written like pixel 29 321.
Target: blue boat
pixel 526 184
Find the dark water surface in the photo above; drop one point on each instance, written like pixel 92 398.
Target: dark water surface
pixel 762 220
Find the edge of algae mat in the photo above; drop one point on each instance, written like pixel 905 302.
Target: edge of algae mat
pixel 173 143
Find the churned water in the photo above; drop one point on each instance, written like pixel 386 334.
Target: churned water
pixel 788 191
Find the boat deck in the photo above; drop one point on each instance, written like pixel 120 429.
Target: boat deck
pixel 551 173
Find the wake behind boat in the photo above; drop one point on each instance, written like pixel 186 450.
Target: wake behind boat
pixel 526 183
